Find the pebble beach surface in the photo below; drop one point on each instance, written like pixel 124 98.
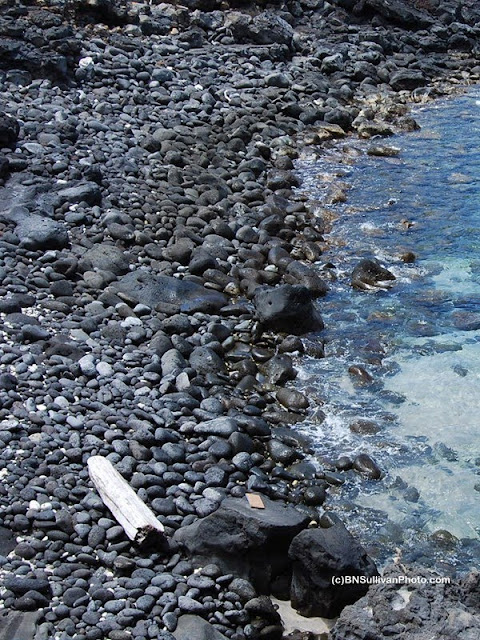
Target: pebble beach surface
pixel 156 274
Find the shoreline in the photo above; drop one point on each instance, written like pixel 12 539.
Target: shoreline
pixel 161 159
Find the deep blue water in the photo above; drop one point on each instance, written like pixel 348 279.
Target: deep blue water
pixel 419 340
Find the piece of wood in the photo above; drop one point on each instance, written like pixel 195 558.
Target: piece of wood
pixel 138 521
pixel 255 501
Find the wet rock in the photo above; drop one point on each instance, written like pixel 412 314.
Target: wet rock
pixel 466 320
pixel 287 308
pixel 281 452
pixel 279 369
pixel 318 556
pixel 383 151
pixel 292 400
pixel 364 464
pixel 360 375
pixel 251 543
pixel 315 495
pixel 369 274
pixel 365 427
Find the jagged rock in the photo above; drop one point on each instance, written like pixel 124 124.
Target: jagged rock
pixel 250 543
pixel 287 308
pixel 265 28
pixel 426 610
pixel 407 79
pixel 318 556
pixel 399 13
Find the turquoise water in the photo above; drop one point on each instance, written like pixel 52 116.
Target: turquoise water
pixel 419 340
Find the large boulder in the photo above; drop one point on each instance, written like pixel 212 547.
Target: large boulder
pixel 104 257
pixel 413 603
pixel 190 626
pixel 182 295
pixel 250 543
pixel 287 308
pixel 400 13
pixel 265 28
pixel 36 232
pixel 369 274
pixel 322 560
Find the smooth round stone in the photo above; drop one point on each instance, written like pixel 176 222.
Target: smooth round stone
pixel 366 465
pixel 104 369
pixel 315 495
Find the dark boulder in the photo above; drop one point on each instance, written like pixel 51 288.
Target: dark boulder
pixel 265 28
pixel 320 557
pixel 15 54
pixel 279 369
pixel 369 274
pixel 308 277
pixel 287 308
pixel 250 543
pixel 399 13
pixel 37 232
pixel 182 295
pixel 204 360
pixel 9 130
pixel 104 257
pixel 88 192
pixel 408 79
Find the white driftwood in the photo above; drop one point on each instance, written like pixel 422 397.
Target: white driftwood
pixel 138 521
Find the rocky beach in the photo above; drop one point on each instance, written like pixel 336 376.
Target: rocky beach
pixel 161 279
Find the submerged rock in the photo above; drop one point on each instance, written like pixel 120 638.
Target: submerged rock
pixel 369 274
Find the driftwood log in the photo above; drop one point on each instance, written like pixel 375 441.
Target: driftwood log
pixel 137 520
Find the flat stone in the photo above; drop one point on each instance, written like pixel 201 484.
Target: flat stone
pixel 183 295
pixel 218 427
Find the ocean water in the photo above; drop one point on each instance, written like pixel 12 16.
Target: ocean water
pixel 419 340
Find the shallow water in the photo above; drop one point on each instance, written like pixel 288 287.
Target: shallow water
pixel 420 339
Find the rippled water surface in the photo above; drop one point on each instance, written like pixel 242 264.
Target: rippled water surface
pixel 419 340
